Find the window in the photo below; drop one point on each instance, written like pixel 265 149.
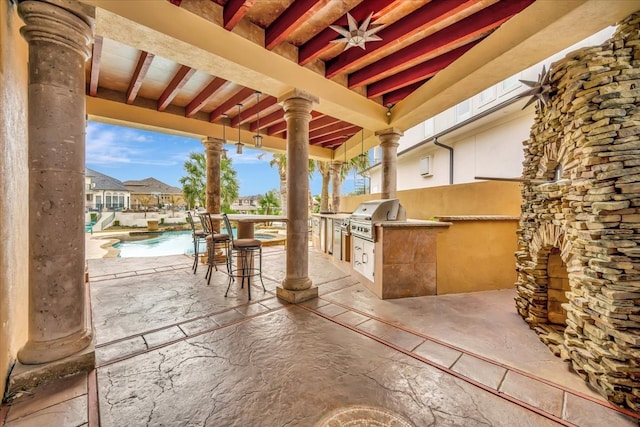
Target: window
pixel 425 166
pixel 429 128
pixel 487 95
pixel 510 83
pixel 463 110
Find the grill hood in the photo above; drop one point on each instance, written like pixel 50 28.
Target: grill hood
pixel 380 210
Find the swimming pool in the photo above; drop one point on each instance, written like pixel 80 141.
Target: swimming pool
pixel 167 243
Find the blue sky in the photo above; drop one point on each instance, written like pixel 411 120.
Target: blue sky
pixel 127 153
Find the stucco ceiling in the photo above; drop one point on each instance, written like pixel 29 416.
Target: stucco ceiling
pixel 184 65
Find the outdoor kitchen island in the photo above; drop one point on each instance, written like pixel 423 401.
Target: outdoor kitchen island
pixel 394 258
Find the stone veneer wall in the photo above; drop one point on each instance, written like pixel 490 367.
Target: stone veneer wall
pixel 590 131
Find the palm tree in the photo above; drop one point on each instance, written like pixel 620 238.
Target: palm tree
pixel 229 185
pixel 194 184
pixel 324 168
pixel 357 164
pixel 269 203
pixel 280 161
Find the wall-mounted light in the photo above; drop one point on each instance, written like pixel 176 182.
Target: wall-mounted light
pixel 257 138
pixel 239 144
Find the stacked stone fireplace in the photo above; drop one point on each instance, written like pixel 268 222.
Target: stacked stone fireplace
pixel 578 261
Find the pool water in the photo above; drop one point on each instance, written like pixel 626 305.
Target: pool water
pixel 167 243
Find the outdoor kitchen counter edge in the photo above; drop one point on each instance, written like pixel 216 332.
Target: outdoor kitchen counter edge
pixel 411 223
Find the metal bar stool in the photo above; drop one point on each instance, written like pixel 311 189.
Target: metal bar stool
pixel 244 251
pixel 216 242
pixel 198 237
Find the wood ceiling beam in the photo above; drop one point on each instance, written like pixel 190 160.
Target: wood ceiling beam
pixel 321 42
pixel 179 80
pixel 267 106
pixel 321 122
pixel 326 130
pixel 396 96
pixel 458 34
pixel 204 96
pixel 420 20
pixel 339 136
pixel 420 72
pixel 96 56
pixel 268 120
pixel 290 20
pixel 282 127
pixel 144 62
pixel 234 11
pixel 240 97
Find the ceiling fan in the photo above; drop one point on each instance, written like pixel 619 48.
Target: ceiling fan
pixel 357 35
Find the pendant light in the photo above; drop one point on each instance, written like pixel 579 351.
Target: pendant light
pixel 362 155
pixel 239 144
pixel 257 138
pixel 224 135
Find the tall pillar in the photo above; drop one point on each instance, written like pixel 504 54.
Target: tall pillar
pixel 213 149
pixel 58 34
pixel 336 181
pixel 389 144
pixel 296 286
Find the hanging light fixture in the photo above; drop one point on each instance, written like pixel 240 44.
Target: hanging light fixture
pixel 239 144
pixel 224 135
pixel 257 138
pixel 362 155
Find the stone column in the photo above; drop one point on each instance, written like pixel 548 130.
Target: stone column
pixel 296 287
pixel 389 144
pixel 213 149
pixel 336 181
pixel 58 34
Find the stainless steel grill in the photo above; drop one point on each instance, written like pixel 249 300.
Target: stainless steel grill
pixel 361 222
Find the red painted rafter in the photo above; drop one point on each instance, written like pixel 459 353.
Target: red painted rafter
pixel 336 137
pixel 96 56
pixel 239 98
pixel 420 20
pixel 298 13
pixel 418 73
pixel 144 62
pixel 460 33
pixel 176 2
pixel 234 11
pixel 267 105
pixel 268 120
pixel 179 80
pixel 282 127
pixel 321 42
pixel 396 96
pixel 321 122
pixel 204 96
pixel 326 130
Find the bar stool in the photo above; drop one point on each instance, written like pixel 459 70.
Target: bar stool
pixel 244 251
pixel 198 236
pixel 215 242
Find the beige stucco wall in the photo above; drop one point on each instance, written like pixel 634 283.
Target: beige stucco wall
pixel 13 188
pixel 476 198
pixel 472 255
pixel 476 255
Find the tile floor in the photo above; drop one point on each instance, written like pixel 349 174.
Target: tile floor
pixel 172 351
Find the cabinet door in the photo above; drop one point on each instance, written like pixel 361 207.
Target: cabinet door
pixel 363 259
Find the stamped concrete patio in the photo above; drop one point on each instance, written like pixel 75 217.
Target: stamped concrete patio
pixel 172 351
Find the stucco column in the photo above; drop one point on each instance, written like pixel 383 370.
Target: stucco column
pixel 296 287
pixel 336 180
pixel 58 34
pixel 389 144
pixel 213 149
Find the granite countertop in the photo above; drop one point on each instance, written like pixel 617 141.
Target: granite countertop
pixel 477 218
pixel 332 215
pixel 412 223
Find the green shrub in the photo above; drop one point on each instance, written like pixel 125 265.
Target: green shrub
pixel 161 220
pixel 94 217
pixel 116 223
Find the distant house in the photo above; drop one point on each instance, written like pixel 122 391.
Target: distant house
pixel 246 204
pixel 104 192
pixel 150 192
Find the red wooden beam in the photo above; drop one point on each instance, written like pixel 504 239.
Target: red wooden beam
pixel 267 105
pixel 290 20
pixel 239 98
pixel 326 130
pixel 144 62
pixel 96 56
pixel 234 11
pixel 342 134
pixel 394 97
pixel 321 122
pixel 458 34
pixel 321 42
pixel 176 2
pixel 179 80
pixel 420 20
pixel 418 73
pixel 282 127
pixel 268 120
pixel 204 96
